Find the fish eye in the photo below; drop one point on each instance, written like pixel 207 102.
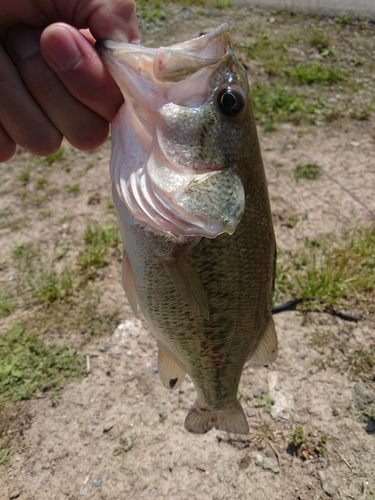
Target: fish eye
pixel 230 101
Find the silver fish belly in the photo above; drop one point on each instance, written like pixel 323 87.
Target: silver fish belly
pixel 192 203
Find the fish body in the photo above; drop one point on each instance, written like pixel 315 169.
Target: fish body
pixel 192 202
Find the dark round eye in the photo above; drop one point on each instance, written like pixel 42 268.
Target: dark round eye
pixel 230 101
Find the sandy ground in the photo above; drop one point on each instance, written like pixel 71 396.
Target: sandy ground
pixel 118 433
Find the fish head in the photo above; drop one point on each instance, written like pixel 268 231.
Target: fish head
pixel 179 140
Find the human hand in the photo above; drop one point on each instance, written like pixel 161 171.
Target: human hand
pixel 52 81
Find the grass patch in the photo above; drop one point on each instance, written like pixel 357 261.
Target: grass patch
pixel 73 189
pixel 306 446
pixel 7 302
pixel 55 157
pixel 276 104
pixel 336 274
pixel 362 361
pixel 98 240
pixel 309 171
pixel 309 74
pixel 50 286
pixel 28 365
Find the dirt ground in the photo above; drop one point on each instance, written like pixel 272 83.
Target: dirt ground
pixel 118 433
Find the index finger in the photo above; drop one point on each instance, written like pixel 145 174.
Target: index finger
pixel 115 19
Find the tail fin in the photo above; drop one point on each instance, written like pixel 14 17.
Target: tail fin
pixel 201 421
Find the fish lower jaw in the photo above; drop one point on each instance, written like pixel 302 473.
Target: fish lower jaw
pixel 200 420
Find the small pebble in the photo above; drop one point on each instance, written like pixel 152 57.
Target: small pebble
pixel 84 490
pixel 272 464
pixel 97 481
pixel 250 412
pixel 258 459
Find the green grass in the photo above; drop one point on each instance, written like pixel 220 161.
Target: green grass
pixel 334 273
pixel 307 446
pixel 27 365
pixel 309 171
pixel 98 240
pixel 50 285
pixel 73 189
pixel 309 74
pixel 55 157
pixel 41 182
pixel 7 302
pixel 275 104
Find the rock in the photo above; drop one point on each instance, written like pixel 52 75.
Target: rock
pixel 97 481
pixel 14 494
pixel 84 490
pixel 272 464
pixel 258 459
pixel 250 412
pixel 362 396
pixel 329 484
pixel 108 426
pixel 282 402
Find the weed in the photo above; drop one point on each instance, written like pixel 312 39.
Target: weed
pixel 41 182
pixel 45 212
pixel 110 209
pixel 25 251
pixel 49 286
pixel 310 74
pixel 5 456
pixel 320 41
pixel 73 189
pixel 335 274
pixel 274 103
pixel 7 303
pixel 54 157
pixel 266 402
pixel 24 176
pixel 344 20
pixel 310 171
pixel 362 361
pixel 306 446
pixel 90 165
pixel 97 242
pixel 28 365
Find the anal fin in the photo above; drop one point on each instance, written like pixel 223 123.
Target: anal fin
pixel 171 372
pixel 267 349
pixel 128 284
pixel 188 284
pixel 201 421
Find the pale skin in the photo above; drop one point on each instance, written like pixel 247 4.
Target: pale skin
pixel 53 83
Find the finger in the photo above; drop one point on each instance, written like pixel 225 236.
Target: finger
pixel 7 145
pixel 115 19
pixel 22 121
pixel 83 128
pixel 78 65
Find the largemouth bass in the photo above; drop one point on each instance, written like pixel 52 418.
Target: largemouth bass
pixel 192 203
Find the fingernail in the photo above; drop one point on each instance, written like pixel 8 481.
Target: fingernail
pixel 23 42
pixel 63 52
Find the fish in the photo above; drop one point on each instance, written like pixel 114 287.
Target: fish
pixel 192 202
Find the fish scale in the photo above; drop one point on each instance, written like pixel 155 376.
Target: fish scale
pixel 202 269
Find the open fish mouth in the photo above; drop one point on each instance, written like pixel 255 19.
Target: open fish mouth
pixel 168 165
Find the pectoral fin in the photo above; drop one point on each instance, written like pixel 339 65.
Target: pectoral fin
pixel 171 372
pixel 267 349
pixel 128 284
pixel 188 284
